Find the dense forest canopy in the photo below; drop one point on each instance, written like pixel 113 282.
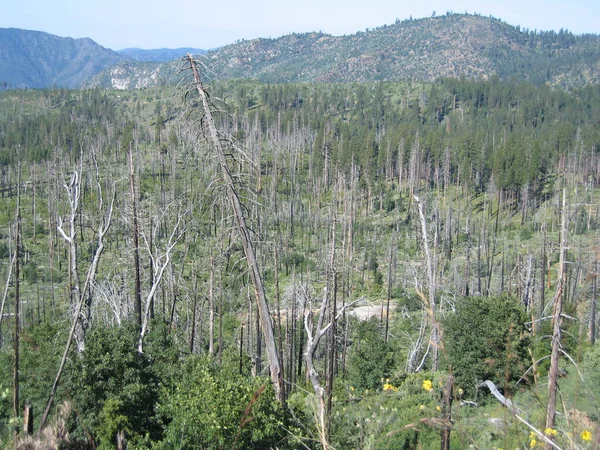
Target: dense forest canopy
pixel 414 205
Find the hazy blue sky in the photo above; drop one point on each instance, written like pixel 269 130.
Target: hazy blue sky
pixel 186 23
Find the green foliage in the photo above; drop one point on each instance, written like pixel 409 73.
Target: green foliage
pixel 591 371
pixel 370 358
pixel 214 408
pixel 162 351
pixel 486 339
pixel 112 422
pixel 40 350
pixel 111 379
pixel 5 411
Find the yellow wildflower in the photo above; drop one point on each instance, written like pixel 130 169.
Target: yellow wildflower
pixel 438 408
pixel 533 443
pixel 586 436
pixel 389 387
pixel 427 385
pixel 551 432
pixel 421 407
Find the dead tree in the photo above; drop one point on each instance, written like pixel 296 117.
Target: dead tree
pixel 557 319
pixel 516 412
pixel 82 297
pixel 5 294
pixel 244 232
pixel 447 413
pixel 16 406
pixel 592 322
pixel 312 342
pixel 137 302
pixel 81 317
pixel 160 261
pixel 431 307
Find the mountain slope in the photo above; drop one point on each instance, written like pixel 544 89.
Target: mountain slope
pixel 34 59
pixel 158 55
pixel 447 46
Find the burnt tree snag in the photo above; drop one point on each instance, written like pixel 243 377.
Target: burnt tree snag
pixel 236 206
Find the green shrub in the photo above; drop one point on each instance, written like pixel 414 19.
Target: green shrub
pixel 111 379
pixel 212 408
pixel 370 358
pixel 486 339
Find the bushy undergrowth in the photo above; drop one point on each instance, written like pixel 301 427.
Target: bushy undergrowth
pixel 486 339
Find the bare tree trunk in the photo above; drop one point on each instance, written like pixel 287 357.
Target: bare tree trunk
pixel 81 320
pixel 390 283
pixel 542 279
pixel 236 206
pixel 194 309
pixel 527 295
pixel 447 413
pixel 16 407
pixel 137 301
pixel 5 295
pixel 432 288
pixel 211 308
pixel 592 324
pixel 331 288
pixel 557 313
pixel 278 301
pixel 28 419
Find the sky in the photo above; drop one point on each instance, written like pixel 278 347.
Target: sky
pixel 151 24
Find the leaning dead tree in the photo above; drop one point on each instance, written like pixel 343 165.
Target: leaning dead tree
pixel 517 413
pixel 236 207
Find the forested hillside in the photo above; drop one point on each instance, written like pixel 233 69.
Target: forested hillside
pixel 452 45
pixel 451 228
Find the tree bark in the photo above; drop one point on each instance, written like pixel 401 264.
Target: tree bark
pixel 556 334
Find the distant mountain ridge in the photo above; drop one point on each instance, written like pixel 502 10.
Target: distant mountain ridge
pixel 34 59
pixel 160 54
pixel 452 45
